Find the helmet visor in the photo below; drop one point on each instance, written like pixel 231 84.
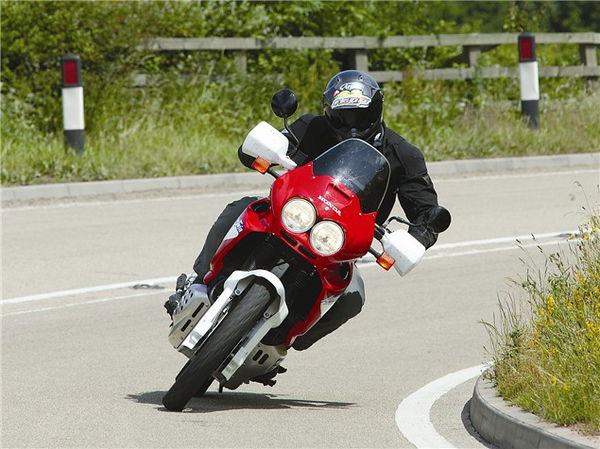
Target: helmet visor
pixel 359 118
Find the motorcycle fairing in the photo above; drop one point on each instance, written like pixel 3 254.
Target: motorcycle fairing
pixel 323 192
pixel 346 184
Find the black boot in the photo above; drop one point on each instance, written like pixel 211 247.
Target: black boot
pixel 175 298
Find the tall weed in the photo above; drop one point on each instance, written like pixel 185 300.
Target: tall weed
pixel 546 343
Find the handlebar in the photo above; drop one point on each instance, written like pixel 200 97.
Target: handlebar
pixel 381 230
pixel 273 173
pixel 400 220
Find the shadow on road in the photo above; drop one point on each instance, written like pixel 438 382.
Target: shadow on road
pixel 216 402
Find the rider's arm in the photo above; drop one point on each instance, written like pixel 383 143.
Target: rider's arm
pixel 417 197
pixel 416 192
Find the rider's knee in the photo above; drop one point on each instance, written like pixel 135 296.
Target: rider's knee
pixel 352 304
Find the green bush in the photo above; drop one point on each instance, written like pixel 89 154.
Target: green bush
pixel 195 116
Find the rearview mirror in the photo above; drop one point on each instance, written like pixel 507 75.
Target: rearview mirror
pixel 439 219
pixel 284 103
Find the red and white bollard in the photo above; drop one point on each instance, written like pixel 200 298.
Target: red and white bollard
pixel 72 102
pixel 528 73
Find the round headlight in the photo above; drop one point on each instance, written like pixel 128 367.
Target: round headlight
pixel 327 237
pixel 298 215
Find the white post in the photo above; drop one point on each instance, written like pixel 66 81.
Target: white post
pixel 72 102
pixel 528 73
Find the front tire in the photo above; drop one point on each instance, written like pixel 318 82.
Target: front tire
pixel 239 321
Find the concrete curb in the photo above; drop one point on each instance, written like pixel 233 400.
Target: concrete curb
pixel 510 427
pixel 252 180
pixel 80 189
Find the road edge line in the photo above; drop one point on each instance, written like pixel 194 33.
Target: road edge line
pixel 413 414
pixel 85 290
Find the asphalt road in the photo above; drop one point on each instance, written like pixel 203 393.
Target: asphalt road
pixel 88 369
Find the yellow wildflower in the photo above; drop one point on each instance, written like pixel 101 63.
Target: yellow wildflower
pixel 592 328
pixel 551 305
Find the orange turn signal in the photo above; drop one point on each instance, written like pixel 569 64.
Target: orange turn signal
pixel 385 261
pixel 261 165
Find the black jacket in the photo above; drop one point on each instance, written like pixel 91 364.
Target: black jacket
pixel 409 182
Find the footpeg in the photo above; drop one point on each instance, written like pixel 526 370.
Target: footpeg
pixel 267 379
pixel 172 303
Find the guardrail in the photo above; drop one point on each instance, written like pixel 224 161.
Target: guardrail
pixel 472 46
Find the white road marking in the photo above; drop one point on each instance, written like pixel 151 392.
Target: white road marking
pixel 515 175
pixel 83 291
pixel 520 238
pixel 494 250
pixel 370 262
pixel 171 279
pixel 75 304
pixel 367 263
pixel 412 415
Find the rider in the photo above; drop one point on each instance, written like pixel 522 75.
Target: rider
pixel 353 107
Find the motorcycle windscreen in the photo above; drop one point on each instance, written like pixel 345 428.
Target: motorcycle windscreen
pixel 360 167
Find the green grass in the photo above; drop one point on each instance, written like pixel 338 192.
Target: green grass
pixel 196 128
pixel 546 344
pixel 566 126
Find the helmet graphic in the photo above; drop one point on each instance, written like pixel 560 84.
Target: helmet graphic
pixel 353 105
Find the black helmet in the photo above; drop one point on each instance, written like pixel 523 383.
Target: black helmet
pixel 353 105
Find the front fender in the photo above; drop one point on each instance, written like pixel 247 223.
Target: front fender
pixel 272 317
pixel 235 284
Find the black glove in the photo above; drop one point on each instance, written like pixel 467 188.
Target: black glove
pixel 424 235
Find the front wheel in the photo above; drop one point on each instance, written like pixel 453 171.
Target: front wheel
pixel 239 321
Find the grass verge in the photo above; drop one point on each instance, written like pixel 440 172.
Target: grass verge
pixel 546 343
pixel 196 128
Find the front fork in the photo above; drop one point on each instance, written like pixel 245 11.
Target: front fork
pixel 272 318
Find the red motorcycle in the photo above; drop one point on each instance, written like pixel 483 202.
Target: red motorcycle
pixel 285 261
